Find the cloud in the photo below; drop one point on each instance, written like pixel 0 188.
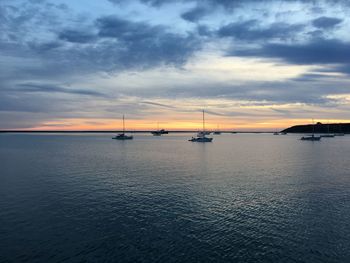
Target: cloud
pixel 76 36
pixel 250 31
pixel 143 45
pixel 195 14
pixel 214 113
pixel 268 92
pixel 158 104
pixel 229 4
pixel 108 44
pixel 311 77
pixel 122 29
pixel 44 47
pixel 320 51
pixel 326 22
pixel 343 69
pixel 156 3
pixel 32 87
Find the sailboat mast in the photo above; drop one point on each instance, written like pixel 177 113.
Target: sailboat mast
pixel 203 123
pixel 123 124
pixel 328 127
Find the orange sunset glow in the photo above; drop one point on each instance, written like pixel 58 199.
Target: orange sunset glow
pixel 176 125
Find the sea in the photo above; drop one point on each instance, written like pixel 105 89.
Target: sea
pixel 241 198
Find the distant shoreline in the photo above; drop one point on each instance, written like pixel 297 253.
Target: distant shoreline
pixel 320 128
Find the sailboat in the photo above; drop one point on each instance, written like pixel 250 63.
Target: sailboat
pixel 201 135
pixel 159 132
pixel 217 132
pixel 123 136
pixel 311 137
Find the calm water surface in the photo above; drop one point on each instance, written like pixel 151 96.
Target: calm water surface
pixel 242 198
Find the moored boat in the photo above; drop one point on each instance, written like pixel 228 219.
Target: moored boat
pixel 217 132
pixel 201 135
pixel 123 136
pixel 311 137
pixel 200 139
pixel 159 132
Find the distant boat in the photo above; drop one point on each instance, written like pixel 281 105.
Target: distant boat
pixel 201 135
pixel 217 132
pixel 311 137
pixel 276 133
pixel 123 136
pixel 164 131
pixel 159 132
pixel 156 133
pixel 200 139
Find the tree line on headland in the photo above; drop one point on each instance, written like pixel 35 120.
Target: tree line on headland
pixel 319 128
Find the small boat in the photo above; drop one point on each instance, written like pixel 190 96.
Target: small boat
pixel 159 132
pixel 200 139
pixel 201 135
pixel 311 137
pixel 164 131
pixel 123 136
pixel 217 132
pixel 156 133
pixel 276 133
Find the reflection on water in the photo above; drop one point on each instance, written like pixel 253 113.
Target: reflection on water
pixel 242 198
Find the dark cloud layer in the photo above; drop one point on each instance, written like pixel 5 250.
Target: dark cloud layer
pixel 319 51
pixel 76 36
pixel 250 31
pixel 32 87
pixel 229 3
pixel 145 45
pixel 107 44
pixel 195 14
pixel 326 22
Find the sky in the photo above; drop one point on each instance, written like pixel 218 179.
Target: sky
pixel 252 65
